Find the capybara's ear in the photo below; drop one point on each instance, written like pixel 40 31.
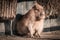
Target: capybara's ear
pixel 34 7
pixel 36 3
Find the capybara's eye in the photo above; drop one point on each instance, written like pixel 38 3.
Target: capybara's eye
pixel 38 10
pixel 41 14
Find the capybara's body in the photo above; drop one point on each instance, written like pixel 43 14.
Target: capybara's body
pixel 33 20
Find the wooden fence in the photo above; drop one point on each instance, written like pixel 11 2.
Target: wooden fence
pixel 7 13
pixel 8 9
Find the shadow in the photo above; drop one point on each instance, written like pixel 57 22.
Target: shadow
pixel 18 17
pixel 7 27
pixel 1 20
pixel 2 33
pixel 53 28
pixel 24 0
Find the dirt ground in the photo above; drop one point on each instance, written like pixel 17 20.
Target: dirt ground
pixel 44 36
pixel 22 38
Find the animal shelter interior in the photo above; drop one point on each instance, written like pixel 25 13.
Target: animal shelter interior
pixel 20 15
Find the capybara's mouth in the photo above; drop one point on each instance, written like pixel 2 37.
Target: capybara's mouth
pixel 37 18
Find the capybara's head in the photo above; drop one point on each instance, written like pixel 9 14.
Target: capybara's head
pixel 39 11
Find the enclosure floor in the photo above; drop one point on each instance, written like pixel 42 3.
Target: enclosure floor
pixel 54 35
pixel 22 38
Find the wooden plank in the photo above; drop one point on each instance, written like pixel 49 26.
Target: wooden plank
pixel 5 12
pixel 0 7
pixel 52 35
pixel 13 6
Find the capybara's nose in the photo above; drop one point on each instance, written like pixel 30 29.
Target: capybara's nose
pixel 38 18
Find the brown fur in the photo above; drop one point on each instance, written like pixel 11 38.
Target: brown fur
pixel 39 22
pixel 28 20
pixel 24 22
pixel 38 26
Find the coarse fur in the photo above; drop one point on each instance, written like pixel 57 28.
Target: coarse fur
pixel 37 27
pixel 28 23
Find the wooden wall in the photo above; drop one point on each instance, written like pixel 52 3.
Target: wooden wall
pixel 24 6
